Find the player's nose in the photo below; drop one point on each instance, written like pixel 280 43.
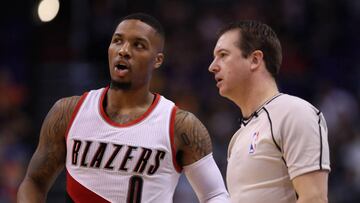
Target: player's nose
pixel 124 50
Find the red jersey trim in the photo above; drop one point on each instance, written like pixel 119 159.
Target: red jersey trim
pixel 78 193
pixel 76 110
pixel 177 167
pixel 109 121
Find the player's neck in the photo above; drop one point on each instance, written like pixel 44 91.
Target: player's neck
pixel 124 101
pixel 256 95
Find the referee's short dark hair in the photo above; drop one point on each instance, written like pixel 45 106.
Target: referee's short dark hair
pixel 255 35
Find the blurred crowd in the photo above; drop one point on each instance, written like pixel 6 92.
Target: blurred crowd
pixel 40 63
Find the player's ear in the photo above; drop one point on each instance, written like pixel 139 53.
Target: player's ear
pixel 159 60
pixel 256 59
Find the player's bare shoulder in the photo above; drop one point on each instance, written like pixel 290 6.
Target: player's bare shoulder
pixel 49 157
pixel 60 115
pixel 56 122
pixel 65 107
pixel 192 139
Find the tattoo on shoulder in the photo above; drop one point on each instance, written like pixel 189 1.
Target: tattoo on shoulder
pixel 184 137
pixel 193 140
pixel 60 114
pixel 49 157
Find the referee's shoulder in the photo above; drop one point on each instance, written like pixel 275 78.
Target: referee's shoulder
pixel 291 104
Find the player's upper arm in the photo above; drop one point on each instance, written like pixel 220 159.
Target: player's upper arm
pixel 49 157
pixel 311 187
pixel 193 152
pixel 192 140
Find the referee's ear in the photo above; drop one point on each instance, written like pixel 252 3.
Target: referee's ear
pixel 256 59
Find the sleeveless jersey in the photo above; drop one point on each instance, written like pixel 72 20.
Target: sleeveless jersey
pixel 284 138
pixel 111 162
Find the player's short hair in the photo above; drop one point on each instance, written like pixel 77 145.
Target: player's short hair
pixel 149 20
pixel 255 35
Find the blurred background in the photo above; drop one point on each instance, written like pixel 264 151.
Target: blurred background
pixel 41 62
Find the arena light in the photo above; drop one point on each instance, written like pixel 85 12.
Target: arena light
pixel 48 9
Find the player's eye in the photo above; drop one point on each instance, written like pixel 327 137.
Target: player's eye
pixel 116 40
pixel 139 45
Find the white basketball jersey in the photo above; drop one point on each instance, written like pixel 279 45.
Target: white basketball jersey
pixel 111 162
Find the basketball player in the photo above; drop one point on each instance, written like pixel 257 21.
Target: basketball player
pixel 280 153
pixel 124 143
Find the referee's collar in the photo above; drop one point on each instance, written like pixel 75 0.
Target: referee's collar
pixel 246 120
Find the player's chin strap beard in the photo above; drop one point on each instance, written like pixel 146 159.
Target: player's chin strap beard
pixel 120 85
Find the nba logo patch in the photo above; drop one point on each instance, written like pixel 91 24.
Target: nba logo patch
pixel 254 139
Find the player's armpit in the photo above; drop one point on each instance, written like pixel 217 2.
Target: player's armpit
pixel 192 140
pixel 49 157
pixel 312 187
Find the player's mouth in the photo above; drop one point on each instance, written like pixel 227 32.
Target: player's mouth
pixel 121 69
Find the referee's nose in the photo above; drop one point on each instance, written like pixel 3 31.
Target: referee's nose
pixel 214 67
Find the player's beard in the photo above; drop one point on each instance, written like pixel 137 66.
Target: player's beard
pixel 120 85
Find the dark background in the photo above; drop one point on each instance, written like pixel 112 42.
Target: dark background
pixel 42 62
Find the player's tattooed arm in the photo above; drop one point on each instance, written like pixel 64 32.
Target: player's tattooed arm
pixel 192 140
pixel 49 157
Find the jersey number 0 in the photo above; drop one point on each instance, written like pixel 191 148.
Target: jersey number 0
pixel 135 189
